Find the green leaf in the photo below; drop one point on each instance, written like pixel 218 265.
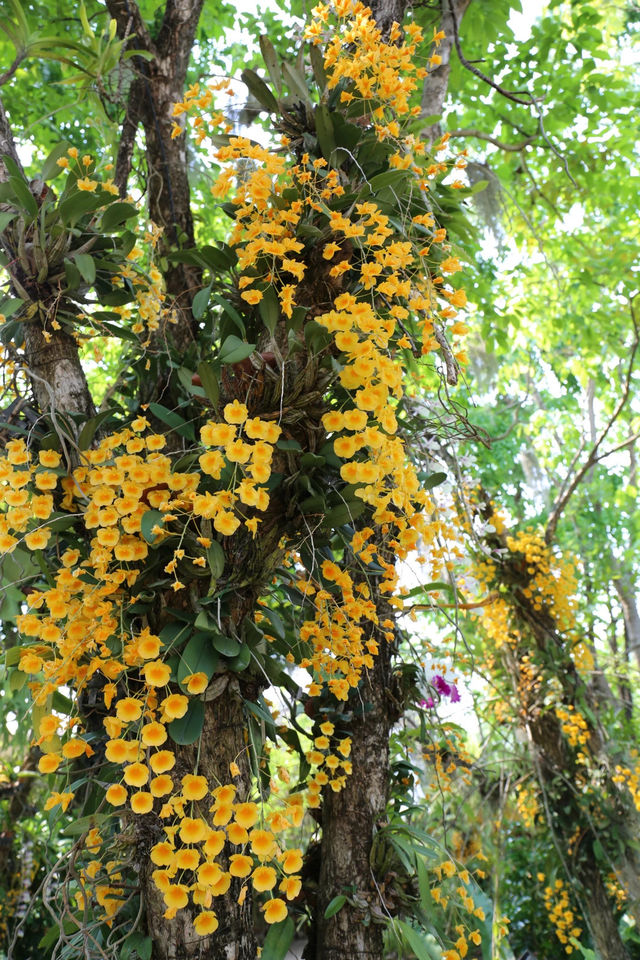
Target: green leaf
pixel 233 350
pixel 26 199
pixel 324 130
pixel 217 559
pixel 74 207
pixel 434 480
pixel 10 305
pixel 6 218
pixel 296 82
pixel 432 587
pixel 335 905
pixel 231 311
pixel 123 333
pixel 198 657
pixel 84 824
pixel 209 381
pixel 424 949
pixel 317 65
pixel 260 90
pixel 278 940
pixel 343 513
pixel 227 646
pixel 72 274
pixel 242 661
pixel 173 420
pixel 217 258
pixel 116 214
pixel 288 445
pixel 187 729
pixel 89 429
pixel 87 266
pixel 200 302
pixel 17 680
pixel 149 520
pixel 269 309
pixel 50 168
pixel 271 61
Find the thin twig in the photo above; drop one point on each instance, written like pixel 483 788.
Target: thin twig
pixel 517 96
pixel 594 456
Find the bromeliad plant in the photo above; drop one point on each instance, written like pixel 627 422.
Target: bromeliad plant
pixel 154 548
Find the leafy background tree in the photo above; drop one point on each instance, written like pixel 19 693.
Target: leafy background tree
pixel 536 442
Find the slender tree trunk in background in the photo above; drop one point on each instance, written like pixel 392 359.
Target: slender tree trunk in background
pixel 626 591
pixel 560 776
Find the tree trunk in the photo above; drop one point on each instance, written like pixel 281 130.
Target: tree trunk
pixel 160 84
pixel 436 84
pixel 349 821
pixel 57 377
pixel 223 743
pixel 625 589
pixel 602 923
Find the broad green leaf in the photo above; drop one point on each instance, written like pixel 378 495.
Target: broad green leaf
pixel 209 381
pixel 173 420
pixel 5 219
pixel 84 824
pixel 50 168
pixel 217 559
pixel 278 940
pixel 295 81
pixel 116 214
pixel 269 309
pixel 260 90
pixel 26 199
pixel 87 267
pixel 75 206
pixel 150 519
pixel 233 350
pixel 227 646
pixel 241 661
pixel 324 130
pixel 425 946
pixel 271 61
pixel 187 729
pixel 198 657
pixel 317 65
pixel 231 311
pixel 434 480
pixel 89 429
pixel 200 302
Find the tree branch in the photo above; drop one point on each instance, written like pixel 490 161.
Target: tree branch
pixel 479 135
pixel 130 23
pixel 517 96
pixel 12 69
pixel 594 456
pixel 7 143
pixel 128 137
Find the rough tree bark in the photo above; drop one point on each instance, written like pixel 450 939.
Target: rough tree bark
pixel 437 83
pixel 53 363
pixel 625 588
pixel 350 819
pixel 555 765
pixel 158 84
